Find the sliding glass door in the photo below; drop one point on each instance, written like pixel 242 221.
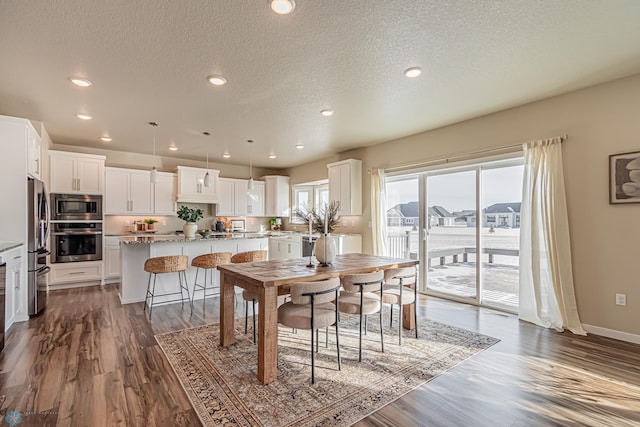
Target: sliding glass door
pixel 463 225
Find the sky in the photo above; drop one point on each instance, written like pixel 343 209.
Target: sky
pixel 456 191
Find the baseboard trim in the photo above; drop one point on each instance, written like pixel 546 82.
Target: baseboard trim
pixel 611 333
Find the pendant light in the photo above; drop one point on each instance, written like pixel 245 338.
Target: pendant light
pixel 154 172
pixel 250 185
pixel 207 176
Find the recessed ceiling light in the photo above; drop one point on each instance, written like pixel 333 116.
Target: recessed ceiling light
pixel 173 148
pixel 217 80
pixel 283 7
pixel 272 156
pixel 299 146
pixel 84 116
pixel 106 139
pixel 413 72
pixel 226 155
pixel 79 81
pixel 328 112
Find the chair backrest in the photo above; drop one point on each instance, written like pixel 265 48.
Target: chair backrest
pixel 211 260
pixel 166 264
pixel 392 276
pixel 250 256
pixel 350 281
pixel 298 291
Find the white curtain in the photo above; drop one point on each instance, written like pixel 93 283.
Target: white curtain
pixel 378 212
pixel 546 280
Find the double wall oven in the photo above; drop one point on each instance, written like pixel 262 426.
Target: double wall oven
pixel 76 228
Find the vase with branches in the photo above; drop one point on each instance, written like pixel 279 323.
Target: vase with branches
pixel 328 213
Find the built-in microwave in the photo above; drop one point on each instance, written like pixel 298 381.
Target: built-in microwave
pixel 76 207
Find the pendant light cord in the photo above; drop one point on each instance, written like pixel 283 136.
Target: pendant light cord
pixel 154 125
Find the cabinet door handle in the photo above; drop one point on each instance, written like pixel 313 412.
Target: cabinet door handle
pixel 76 272
pixel 132 206
pixel 38 166
pixel 289 248
pixel 78 184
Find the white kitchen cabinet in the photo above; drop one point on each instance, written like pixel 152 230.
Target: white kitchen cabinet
pixel 276 195
pixel 285 247
pixel 232 197
pixel 128 192
pixel 112 258
pixel 16 289
pixel 76 173
pixel 191 187
pixel 255 202
pixel 34 154
pixel 345 186
pixel 164 194
pixel 75 274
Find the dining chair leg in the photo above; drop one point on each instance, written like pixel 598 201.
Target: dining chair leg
pixel 400 323
pixel 360 326
pixel 146 297
pixel 152 294
pixel 313 362
pixel 326 337
pixel 391 316
pixel 415 316
pixel 338 347
pixel 381 332
pixel 415 302
pixel 246 316
pixel 253 302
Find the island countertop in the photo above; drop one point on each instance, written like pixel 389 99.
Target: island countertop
pixel 180 238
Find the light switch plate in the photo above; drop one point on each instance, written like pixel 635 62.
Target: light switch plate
pixel 621 299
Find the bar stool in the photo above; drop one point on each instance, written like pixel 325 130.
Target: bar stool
pixel 166 264
pixel 208 262
pixel 242 257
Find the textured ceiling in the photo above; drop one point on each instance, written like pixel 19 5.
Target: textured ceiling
pixel 149 61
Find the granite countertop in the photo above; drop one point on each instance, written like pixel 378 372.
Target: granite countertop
pixel 179 238
pixel 7 246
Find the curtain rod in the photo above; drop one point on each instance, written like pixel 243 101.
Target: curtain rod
pixel 445 160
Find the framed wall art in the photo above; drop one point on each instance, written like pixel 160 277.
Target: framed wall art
pixel 624 178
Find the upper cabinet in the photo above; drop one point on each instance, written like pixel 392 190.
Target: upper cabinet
pixel 131 192
pixel 164 194
pixel 34 155
pixel 255 201
pixel 191 186
pixel 76 173
pixel 276 195
pixel 232 197
pixel 127 191
pixel 345 186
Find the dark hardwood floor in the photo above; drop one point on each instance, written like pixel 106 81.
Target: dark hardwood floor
pixel 89 361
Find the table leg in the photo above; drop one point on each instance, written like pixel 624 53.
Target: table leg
pixel 227 315
pixel 268 335
pixel 408 316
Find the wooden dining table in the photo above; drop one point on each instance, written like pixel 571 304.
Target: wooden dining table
pixel 268 279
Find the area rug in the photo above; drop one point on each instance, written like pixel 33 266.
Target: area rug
pixel 224 390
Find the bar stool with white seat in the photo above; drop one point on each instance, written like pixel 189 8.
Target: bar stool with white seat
pixel 207 262
pixel 242 257
pixel 397 290
pixel 166 264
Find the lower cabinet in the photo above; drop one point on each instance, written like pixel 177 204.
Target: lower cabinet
pixel 111 259
pixel 16 292
pixel 285 247
pixel 75 274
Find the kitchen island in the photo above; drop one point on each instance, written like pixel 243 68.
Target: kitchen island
pixel 135 250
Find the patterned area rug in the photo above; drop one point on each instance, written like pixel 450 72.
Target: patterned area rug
pixel 224 389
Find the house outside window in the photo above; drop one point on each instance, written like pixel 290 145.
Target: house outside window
pixel 491 219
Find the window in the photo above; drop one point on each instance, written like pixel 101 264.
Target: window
pixel 306 197
pixel 491 218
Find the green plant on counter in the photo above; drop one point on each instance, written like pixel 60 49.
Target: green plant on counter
pixel 150 221
pixel 190 214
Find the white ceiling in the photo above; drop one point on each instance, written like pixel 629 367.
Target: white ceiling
pixel 149 59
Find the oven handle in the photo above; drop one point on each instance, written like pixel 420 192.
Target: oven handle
pixel 76 233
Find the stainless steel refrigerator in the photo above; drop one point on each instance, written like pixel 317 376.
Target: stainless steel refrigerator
pixel 38 231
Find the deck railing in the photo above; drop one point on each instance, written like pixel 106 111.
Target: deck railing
pixel 399 246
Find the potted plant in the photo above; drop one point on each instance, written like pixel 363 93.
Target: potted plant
pixel 150 222
pixel 190 216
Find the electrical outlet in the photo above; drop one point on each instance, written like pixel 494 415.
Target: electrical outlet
pixel 353 223
pixel 126 223
pixel 621 299
pixel 369 224
pixel 345 223
pixel 164 222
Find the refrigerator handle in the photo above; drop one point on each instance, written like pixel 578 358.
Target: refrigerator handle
pixel 46 220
